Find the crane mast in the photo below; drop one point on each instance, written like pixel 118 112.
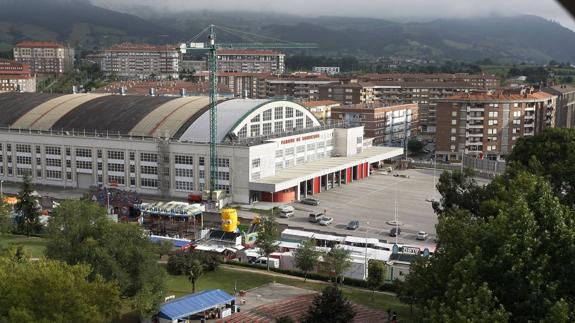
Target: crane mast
pixel 212 47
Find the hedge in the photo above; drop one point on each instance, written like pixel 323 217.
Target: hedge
pixel 315 276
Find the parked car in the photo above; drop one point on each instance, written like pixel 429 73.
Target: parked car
pixel 315 217
pixel 310 201
pixel 286 211
pixel 263 261
pixel 325 220
pixel 394 232
pixel 353 225
pixel 422 235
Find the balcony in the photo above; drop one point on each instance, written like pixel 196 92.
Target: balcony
pixel 474 126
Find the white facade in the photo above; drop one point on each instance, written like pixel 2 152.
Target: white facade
pixel 329 70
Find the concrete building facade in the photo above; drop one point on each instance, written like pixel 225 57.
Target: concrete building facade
pixel 487 125
pixel 565 116
pixel 16 77
pixel 139 61
pixel 251 61
pixel 45 57
pixel 268 150
pixel 387 125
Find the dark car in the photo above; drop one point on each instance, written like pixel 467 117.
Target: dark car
pixel 353 225
pixel 394 232
pixel 310 201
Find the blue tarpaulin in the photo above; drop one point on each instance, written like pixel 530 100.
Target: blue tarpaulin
pixel 194 303
pixel 176 242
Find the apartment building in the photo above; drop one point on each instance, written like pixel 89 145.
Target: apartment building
pixel 298 88
pixel 425 94
pixel 388 125
pixel 565 115
pixel 140 61
pixel 487 125
pixel 242 85
pixel 483 81
pixel 348 92
pixel 321 109
pixel 16 77
pixel 251 61
pixel 329 70
pixel 45 57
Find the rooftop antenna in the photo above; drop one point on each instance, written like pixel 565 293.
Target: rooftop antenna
pixel 395 216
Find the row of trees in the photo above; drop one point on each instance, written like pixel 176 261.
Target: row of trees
pixel 306 258
pixel 505 251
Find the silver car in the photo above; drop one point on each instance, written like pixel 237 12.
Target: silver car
pixel 326 220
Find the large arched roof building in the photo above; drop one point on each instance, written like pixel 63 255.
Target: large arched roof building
pixel 159 145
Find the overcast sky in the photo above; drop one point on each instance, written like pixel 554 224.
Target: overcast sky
pixel 389 9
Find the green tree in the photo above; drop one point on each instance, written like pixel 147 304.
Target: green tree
pixel 52 291
pixel 510 258
pixel 338 260
pixel 284 319
pixel 550 154
pixel 6 221
pixel 268 235
pixel 306 257
pixel 330 306
pixel 80 232
pixel 375 275
pixel 164 247
pixel 27 208
pixel 195 272
pixel 415 146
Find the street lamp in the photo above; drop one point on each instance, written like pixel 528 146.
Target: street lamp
pixel 365 263
pixel 1 188
pixel 108 195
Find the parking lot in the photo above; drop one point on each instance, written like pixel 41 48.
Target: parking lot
pixel 371 202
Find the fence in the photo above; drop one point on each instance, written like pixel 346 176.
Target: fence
pixel 482 167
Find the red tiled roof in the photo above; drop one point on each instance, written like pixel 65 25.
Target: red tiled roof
pixel 39 44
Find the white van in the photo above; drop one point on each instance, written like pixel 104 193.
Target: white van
pixel 286 211
pixel 263 261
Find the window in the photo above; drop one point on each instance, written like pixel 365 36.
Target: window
pixel 453 138
pixel 299 123
pixel 256 118
pixel 38 173
pixel 278 112
pixel 202 161
pixel 454 113
pixel 23 160
pixel 279 153
pixel 149 183
pixel 148 157
pixel 224 176
pixel 279 165
pixel 298 113
pixel 310 147
pixel 278 126
pixel 517 121
pixel 83 152
pixel 289 112
pixel 184 172
pixel 289 151
pixel 23 148
pixel 51 150
pixel 300 160
pixel 152 170
pixel 83 164
pixel 115 154
pixel 99 153
pixel 256 163
pixel 254 130
pixel 492 122
pixel 68 152
pixel 267 128
pixel 359 140
pixel 267 115
pixel 453 130
pixel 132 168
pixel 453 122
pixel 53 174
pixel 223 162
pixel 517 114
pixel 492 131
pixel 38 149
pixel 116 167
pixel 289 125
pixel 202 173
pixel 53 162
pixel 184 160
pixel 184 186
pixel 301 149
pixel 493 114
pixel 118 180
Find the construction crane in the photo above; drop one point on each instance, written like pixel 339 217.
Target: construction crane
pixel 211 46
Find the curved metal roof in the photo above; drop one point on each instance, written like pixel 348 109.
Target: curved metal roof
pixel 229 112
pixel 15 105
pixel 110 113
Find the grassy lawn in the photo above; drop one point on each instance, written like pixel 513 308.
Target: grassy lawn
pixel 225 278
pixel 34 246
